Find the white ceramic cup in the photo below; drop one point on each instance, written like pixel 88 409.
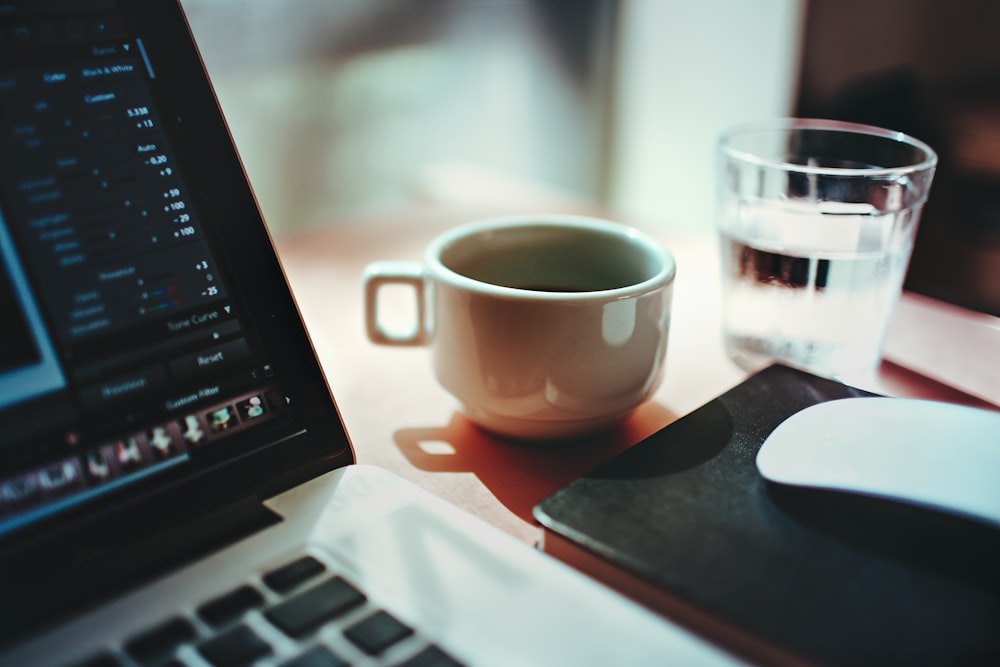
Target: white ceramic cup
pixel 544 327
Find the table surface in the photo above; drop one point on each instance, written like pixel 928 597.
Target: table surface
pixel 399 418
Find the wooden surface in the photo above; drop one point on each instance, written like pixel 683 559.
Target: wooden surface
pixel 399 418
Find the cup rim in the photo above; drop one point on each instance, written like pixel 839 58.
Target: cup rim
pixel 929 162
pixel 433 251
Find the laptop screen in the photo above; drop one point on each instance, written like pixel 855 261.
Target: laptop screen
pixel 135 271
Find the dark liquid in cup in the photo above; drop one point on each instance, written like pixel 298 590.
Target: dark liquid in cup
pixel 535 287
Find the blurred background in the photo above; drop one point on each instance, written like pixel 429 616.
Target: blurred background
pixel 342 109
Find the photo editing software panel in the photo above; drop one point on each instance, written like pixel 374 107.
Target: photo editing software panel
pixel 124 350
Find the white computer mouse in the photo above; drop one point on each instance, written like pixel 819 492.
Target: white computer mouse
pixel 937 455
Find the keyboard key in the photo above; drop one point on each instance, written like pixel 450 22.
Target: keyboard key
pixel 235 648
pixel 317 656
pixel 229 607
pixel 155 644
pixel 306 611
pixel 289 576
pixel 432 656
pixel 377 632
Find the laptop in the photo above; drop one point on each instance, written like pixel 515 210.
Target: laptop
pixel 176 484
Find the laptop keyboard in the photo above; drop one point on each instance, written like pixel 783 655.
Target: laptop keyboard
pixel 329 620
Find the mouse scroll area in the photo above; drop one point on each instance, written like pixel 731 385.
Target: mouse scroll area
pixel 937 455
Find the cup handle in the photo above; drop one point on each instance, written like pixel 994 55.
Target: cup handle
pixel 379 274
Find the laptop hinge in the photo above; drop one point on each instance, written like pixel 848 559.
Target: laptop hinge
pixel 96 572
pixel 174 546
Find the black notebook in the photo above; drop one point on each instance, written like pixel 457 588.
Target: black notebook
pixel 683 522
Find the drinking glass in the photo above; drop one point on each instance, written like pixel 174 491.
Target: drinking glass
pixel 816 221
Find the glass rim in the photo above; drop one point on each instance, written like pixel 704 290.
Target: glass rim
pixel 792 124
